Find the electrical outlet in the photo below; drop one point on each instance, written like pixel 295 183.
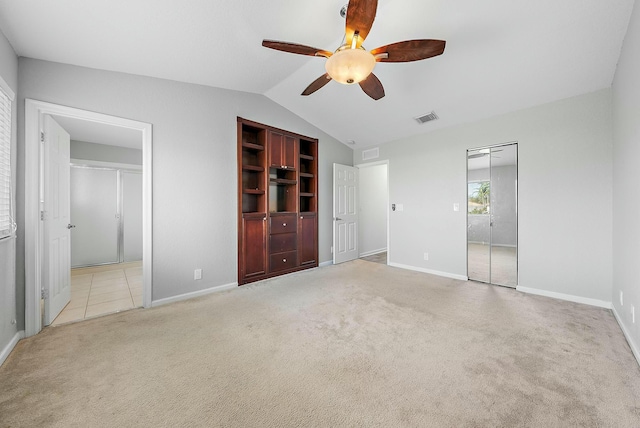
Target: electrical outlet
pixel 621 300
pixel 633 315
pixel 426 256
pixel 197 274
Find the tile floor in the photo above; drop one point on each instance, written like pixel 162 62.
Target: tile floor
pixel 101 290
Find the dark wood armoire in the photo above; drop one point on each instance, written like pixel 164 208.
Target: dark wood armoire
pixel 277 201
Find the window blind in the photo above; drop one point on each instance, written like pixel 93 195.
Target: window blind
pixel 7 225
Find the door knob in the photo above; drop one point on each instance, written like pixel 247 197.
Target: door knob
pixel 338 219
pixel 71 226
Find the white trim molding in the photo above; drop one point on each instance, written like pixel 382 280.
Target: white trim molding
pixel 371 253
pixel 632 344
pixel 325 264
pixel 34 113
pixel 12 344
pixel 101 164
pixel 430 271
pixel 567 297
pixel 194 294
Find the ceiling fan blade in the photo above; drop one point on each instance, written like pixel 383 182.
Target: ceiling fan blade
pixel 360 16
pixel 317 84
pixel 295 48
pixel 410 50
pixel 372 87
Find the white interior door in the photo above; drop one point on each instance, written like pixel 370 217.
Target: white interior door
pixel 56 270
pixel 94 212
pixel 345 213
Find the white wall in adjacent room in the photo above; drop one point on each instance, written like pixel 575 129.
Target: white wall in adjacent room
pixel 372 221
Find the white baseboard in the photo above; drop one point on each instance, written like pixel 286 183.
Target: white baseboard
pixel 193 294
pixel 567 297
pixel 371 253
pixel 325 264
pixel 432 272
pixel 632 344
pixel 12 344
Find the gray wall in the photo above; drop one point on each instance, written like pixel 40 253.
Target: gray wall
pixel 626 176
pixel 372 221
pixel 9 73
pixel 105 153
pixel 564 152
pixel 194 163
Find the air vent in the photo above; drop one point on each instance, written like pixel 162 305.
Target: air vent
pixel 426 118
pixel 371 154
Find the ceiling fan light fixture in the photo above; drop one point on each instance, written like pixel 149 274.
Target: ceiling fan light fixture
pixel 349 66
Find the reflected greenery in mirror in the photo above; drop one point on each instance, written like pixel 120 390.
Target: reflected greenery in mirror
pixel 479 195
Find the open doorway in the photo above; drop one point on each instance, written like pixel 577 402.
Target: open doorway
pixel 105 220
pixel 41 265
pixel 374 212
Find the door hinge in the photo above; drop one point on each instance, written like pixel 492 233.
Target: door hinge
pixel 41 215
pixel 44 294
pixel 42 136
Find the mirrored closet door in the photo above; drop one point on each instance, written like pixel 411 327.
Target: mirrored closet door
pixel 492 214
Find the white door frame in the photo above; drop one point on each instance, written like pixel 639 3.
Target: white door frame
pixel 34 112
pixel 382 162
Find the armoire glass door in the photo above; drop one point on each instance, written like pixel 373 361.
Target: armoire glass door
pixel 492 216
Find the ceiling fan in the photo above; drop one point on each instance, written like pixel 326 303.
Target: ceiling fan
pixel 351 63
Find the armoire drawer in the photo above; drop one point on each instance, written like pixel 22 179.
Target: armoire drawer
pixel 281 242
pixel 283 223
pixel 282 261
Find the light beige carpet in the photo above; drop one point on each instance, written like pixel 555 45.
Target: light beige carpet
pixel 358 344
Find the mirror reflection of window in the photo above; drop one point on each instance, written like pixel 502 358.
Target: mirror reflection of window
pixel 479 197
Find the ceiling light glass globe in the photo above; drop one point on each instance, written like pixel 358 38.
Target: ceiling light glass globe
pixel 349 66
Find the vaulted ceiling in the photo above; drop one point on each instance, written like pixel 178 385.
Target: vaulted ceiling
pixel 501 55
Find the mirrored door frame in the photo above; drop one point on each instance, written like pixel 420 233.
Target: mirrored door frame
pixel 490 150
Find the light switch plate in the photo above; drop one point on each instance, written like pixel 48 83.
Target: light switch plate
pixel 456 207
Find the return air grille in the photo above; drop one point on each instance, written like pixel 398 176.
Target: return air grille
pixel 426 118
pixel 370 154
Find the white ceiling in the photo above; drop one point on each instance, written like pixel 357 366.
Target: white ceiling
pixel 501 55
pixel 100 133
